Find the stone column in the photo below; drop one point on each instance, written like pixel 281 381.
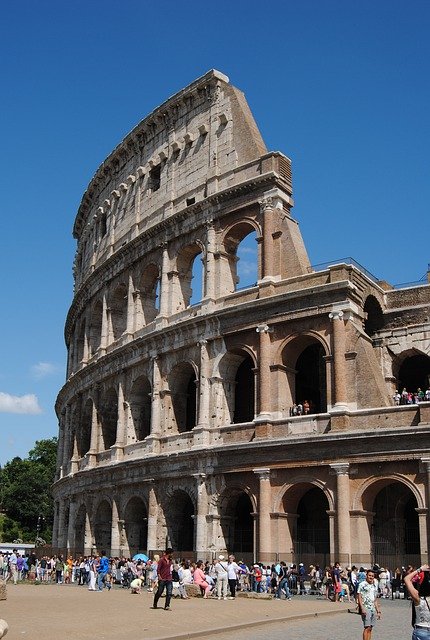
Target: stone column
pixel 71 528
pixel 152 518
pixel 61 541
pixel 153 439
pixel 200 519
pixel 209 290
pixel 131 308
pixel 55 525
pixel 266 206
pixel 88 539
pixel 264 545
pixel 264 371
pixel 343 527
pixel 426 464
pixel 201 430
pixel 338 348
pixel 94 442
pixel 121 425
pixel 115 530
pixel 422 525
pixel 104 337
pixel 164 284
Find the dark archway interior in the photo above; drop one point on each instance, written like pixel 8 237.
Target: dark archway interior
pixel 243 537
pixel 374 317
pixel 311 378
pixel 414 373
pixel 245 392
pixel 136 526
pixel 313 534
pixel 180 524
pixel 395 531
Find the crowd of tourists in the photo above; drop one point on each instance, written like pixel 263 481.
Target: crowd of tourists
pixel 411 397
pixel 221 578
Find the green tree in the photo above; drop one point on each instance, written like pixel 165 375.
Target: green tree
pixel 26 490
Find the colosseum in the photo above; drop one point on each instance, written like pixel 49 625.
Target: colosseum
pixel 210 413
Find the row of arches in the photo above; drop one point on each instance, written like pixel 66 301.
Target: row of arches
pixel 233 390
pixel 98 420
pixel 392 536
pixel 168 283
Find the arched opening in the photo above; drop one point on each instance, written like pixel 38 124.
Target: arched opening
pixel 136 526
pixel 305 370
pixel 244 398
pixel 103 527
pixel 395 535
pixel 95 332
pixel 414 373
pixel 311 379
pixel 149 293
pixel 80 522
pixel 118 311
pixel 84 441
pixel 247 261
pixel 183 387
pixel 190 274
pixel 237 523
pixel 109 418
pixel 312 537
pixel 239 265
pixel 140 407
pixel 180 523
pixel 374 318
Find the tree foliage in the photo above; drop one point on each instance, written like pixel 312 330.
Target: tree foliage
pixel 26 498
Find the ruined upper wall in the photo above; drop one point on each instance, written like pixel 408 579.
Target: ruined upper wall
pixel 205 130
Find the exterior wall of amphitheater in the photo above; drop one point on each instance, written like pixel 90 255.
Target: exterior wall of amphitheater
pixel 175 422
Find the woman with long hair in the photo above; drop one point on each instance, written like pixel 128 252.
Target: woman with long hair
pixel 418 584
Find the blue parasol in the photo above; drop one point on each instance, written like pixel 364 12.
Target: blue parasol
pixel 141 556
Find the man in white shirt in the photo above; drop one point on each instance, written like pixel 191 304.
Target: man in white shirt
pixel 233 570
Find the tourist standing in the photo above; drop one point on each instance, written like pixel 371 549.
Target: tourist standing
pixel 420 592
pixel 368 606
pixel 164 572
pixel 221 578
pixel 233 571
pixel 103 568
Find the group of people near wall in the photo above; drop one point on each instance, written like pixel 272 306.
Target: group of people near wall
pixel 411 397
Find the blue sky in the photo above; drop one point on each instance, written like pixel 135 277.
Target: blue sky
pixel 340 86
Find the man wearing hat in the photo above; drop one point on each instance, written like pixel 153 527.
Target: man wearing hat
pixel 221 577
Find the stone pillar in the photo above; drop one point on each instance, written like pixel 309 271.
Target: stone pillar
pixel 209 290
pixel 266 208
pixel 343 526
pixel 152 519
pixel 264 544
pixel 121 425
pixel 332 531
pixel 115 541
pixel 61 536
pixel 104 337
pixel 200 519
pixel 131 308
pixel 71 528
pixel 264 372
pixel 201 430
pixel 164 284
pixel 422 524
pixel 339 367
pixel 426 464
pixel 55 525
pixel 94 442
pixel 153 439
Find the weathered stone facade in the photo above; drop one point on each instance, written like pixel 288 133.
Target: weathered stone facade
pixel 175 422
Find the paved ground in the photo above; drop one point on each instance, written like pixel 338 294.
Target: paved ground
pixel 52 612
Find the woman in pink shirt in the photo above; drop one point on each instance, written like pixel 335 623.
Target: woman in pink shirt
pixel 200 578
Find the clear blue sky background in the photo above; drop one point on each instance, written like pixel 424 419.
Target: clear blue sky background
pixel 340 86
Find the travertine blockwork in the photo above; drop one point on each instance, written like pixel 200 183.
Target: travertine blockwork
pixel 178 419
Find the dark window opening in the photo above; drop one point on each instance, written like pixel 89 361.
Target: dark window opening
pixel 190 201
pixel 155 178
